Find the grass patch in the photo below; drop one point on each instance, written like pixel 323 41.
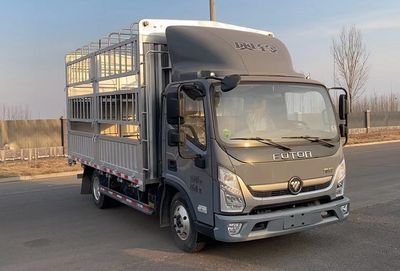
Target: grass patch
pixel 384 135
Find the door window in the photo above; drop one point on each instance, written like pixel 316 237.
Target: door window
pixel 194 122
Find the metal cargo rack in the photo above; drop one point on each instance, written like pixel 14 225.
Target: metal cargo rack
pixel 112 87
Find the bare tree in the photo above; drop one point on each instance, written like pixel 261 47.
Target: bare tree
pixel 350 59
pixel 389 102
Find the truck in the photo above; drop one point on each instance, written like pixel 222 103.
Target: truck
pixel 208 126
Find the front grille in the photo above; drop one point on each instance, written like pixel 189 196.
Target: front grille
pixel 263 209
pixel 265 194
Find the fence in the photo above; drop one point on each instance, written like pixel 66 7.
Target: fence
pixel 32 139
pixel 364 122
pixel 31 154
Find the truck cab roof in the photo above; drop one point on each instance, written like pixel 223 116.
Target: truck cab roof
pixel 223 51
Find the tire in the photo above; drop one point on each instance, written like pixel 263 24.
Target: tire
pixel 99 199
pixel 183 227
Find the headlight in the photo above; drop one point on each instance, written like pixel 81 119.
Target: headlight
pixel 231 196
pixel 340 176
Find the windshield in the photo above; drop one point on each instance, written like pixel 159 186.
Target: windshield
pixel 282 112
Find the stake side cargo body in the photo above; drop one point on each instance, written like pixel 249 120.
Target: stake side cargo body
pixel 209 126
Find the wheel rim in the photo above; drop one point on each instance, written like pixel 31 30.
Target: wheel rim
pixel 181 222
pixel 96 188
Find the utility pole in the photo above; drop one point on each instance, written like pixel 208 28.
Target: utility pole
pixel 212 10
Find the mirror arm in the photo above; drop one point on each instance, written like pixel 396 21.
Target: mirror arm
pixel 339 88
pixel 214 77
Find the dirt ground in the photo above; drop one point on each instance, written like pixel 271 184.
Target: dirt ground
pixel 56 165
pixel 374 137
pixel 35 167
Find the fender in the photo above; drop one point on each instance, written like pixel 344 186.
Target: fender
pixel 164 207
pixel 167 197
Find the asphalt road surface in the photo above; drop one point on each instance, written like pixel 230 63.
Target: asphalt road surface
pixel 48 225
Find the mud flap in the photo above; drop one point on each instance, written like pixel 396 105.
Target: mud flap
pixel 86 180
pixel 164 207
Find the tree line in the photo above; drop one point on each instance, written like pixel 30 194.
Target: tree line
pixel 378 103
pixel 15 112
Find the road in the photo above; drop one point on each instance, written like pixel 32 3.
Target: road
pixel 48 225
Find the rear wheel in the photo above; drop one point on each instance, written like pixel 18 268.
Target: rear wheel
pixel 182 226
pixel 99 199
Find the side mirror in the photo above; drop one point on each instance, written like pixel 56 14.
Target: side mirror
pixel 172 108
pixel 343 107
pixel 230 82
pixel 344 132
pixel 343 112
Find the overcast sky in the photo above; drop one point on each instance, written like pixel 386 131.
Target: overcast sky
pixel 36 34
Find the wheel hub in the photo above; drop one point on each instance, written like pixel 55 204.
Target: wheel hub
pixel 181 222
pixel 96 188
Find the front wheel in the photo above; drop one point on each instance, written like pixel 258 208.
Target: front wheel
pixel 182 226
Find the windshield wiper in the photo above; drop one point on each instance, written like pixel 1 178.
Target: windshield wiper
pixel 266 141
pixel 312 139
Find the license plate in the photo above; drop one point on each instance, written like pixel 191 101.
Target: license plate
pixel 301 220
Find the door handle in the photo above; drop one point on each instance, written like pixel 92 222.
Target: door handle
pixel 200 161
pixel 172 165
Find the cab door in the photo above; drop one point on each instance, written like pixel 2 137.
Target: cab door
pixel 187 155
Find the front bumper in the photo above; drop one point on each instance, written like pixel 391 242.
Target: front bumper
pixel 280 222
